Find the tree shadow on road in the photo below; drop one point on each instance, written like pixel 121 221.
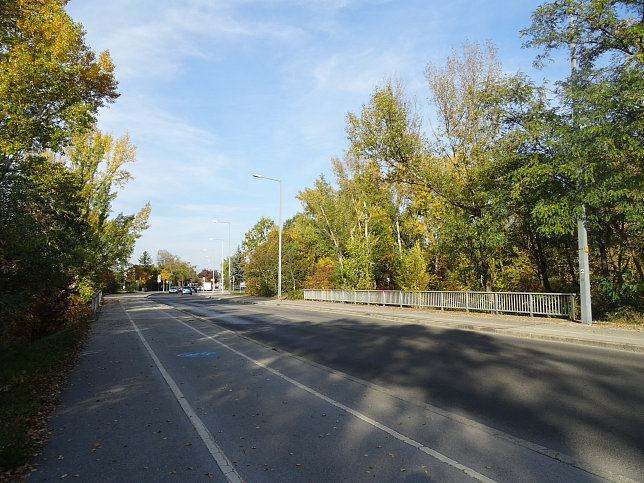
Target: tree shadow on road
pixel 572 401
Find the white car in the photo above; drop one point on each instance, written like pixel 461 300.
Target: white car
pixel 175 289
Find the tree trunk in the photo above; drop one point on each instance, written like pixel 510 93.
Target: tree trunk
pixel 399 240
pixel 537 249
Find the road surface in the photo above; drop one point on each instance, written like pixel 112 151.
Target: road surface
pixel 186 388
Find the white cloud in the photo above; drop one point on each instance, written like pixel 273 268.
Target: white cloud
pixel 212 90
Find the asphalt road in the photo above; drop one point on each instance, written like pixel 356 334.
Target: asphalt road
pixel 248 392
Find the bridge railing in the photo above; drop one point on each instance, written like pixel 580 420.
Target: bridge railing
pixel 531 303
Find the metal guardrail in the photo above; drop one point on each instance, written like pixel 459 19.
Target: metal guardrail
pixel 96 303
pixel 548 304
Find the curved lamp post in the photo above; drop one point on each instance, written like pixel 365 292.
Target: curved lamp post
pixel 279 251
pixel 211 265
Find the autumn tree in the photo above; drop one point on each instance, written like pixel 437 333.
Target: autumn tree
pixel 470 95
pixel 262 265
pixel 452 166
pixel 414 274
pixel 327 219
pixel 51 87
pixel 207 274
pixel 355 224
pixel 51 83
pixel 98 161
pixel 372 248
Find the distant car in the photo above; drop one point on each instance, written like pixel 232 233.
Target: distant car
pixel 186 290
pixel 175 289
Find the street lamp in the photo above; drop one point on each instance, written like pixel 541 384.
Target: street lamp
pixel 229 274
pixel 279 251
pixel 211 265
pixel 582 234
pixel 222 260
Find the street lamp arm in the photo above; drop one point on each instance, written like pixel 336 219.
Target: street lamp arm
pixel 255 175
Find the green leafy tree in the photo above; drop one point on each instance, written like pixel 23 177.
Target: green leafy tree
pixel 39 250
pixel 261 269
pixel 257 235
pixel 145 260
pixel 597 147
pixel 389 131
pixel 237 266
pixel 184 273
pixel 295 263
pixel 372 209
pixel 328 219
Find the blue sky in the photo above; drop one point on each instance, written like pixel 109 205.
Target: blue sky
pixel 213 91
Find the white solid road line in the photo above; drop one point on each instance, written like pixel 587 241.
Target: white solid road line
pixel 218 455
pixel 392 432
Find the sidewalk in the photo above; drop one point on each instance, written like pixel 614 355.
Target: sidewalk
pixel 118 420
pixel 559 330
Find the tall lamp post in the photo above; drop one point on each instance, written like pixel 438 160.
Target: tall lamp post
pixel 229 255
pixel 582 234
pixel 222 259
pixel 211 265
pixel 279 251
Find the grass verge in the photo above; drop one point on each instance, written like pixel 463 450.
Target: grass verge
pixel 31 377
